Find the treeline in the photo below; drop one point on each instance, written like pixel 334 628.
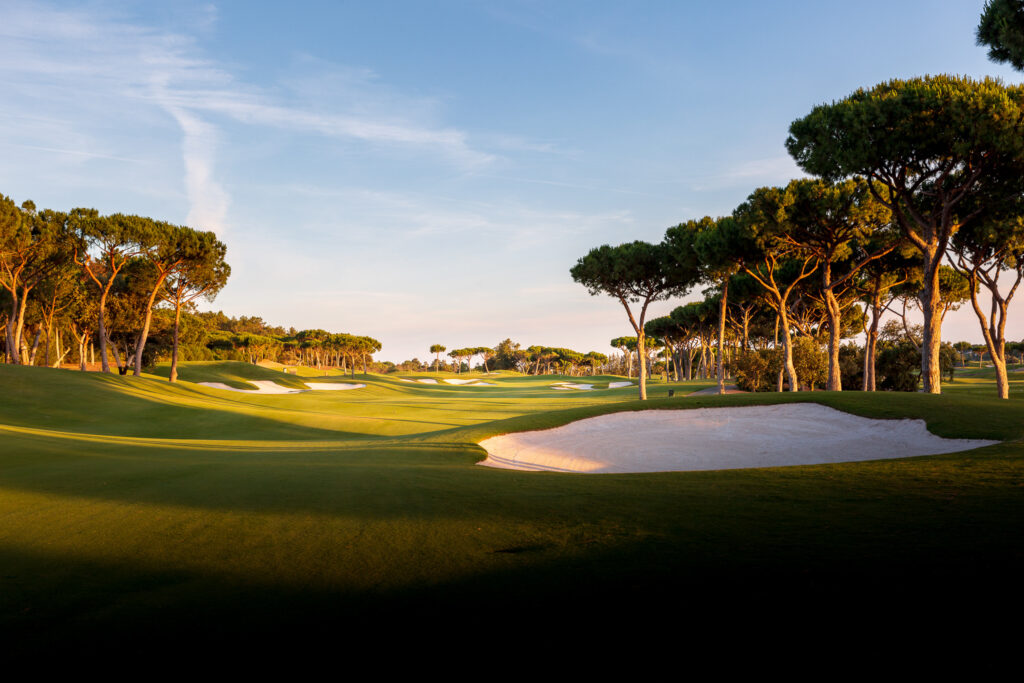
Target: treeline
pixel 78 286
pixel 509 355
pixel 918 205
pixel 215 336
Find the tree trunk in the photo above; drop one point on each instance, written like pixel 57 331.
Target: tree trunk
pixel 173 377
pixel 871 343
pixel 641 351
pixel 140 345
pixel 103 327
pixel 35 348
pixel 12 350
pixel 15 336
pixel 994 332
pixel 723 302
pixel 780 378
pixel 931 305
pixel 835 379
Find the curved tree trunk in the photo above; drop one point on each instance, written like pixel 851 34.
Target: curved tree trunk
pixel 787 351
pixel 140 345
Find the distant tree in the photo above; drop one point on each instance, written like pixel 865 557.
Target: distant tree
pixel 32 245
pixel 633 273
pixel 834 223
pixel 596 360
pixel 757 237
pixel 1001 29
pixel 626 345
pixel 881 284
pixel 202 273
pixel 507 355
pixel 437 350
pixel 934 142
pixel 714 263
pixel 108 245
pixel 981 253
pixel 486 353
pixel 960 347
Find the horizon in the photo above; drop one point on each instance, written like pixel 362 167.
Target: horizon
pixel 429 173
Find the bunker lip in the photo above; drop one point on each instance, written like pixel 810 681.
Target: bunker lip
pixel 716 439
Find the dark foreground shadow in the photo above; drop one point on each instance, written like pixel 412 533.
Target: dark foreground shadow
pixel 632 600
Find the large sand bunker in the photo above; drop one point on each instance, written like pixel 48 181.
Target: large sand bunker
pixel 716 439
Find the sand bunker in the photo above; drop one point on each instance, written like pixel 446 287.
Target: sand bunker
pixel 715 439
pixel 470 382
pixel 266 386
pixel 263 386
pixel 566 386
pixel 333 386
pixel 619 385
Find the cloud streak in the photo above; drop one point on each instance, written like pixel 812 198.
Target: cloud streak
pixel 87 61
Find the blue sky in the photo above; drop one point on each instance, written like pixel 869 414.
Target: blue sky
pixel 428 172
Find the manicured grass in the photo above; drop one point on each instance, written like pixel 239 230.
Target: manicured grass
pixel 134 511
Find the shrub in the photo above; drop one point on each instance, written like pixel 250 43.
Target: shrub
pixel 810 361
pixel 753 370
pixel 898 365
pixel 851 367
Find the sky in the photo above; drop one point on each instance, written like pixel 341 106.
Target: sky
pixel 428 172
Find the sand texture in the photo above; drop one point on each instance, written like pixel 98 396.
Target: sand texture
pixel 716 438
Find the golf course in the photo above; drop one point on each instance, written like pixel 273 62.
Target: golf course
pixel 406 334
pixel 135 509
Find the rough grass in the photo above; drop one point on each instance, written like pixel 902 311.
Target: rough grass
pixel 135 511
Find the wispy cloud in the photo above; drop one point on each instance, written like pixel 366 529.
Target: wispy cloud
pixel 76 152
pixel 776 170
pixel 409 216
pixel 102 64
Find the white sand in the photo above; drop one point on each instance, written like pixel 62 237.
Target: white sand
pixel 716 438
pixel 427 381
pixel 564 386
pixel 619 385
pixel 332 386
pixel 263 386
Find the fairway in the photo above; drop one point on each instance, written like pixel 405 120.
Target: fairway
pixel 232 515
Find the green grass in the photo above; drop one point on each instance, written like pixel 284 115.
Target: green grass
pixel 132 509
